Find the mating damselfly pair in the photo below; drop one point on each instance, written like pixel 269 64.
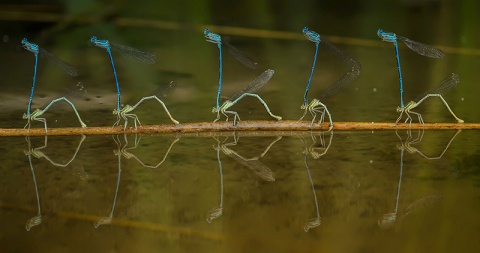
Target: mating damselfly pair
pixel 124 112
pixel 316 107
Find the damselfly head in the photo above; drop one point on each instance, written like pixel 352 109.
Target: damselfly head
pixel 311 35
pixel 99 43
pixel 399 109
pixel 212 37
pixel 215 109
pixel 29 46
pixel 379 33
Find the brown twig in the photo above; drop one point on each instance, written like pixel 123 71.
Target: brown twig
pixel 200 127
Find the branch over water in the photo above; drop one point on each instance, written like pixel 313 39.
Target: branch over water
pixel 211 128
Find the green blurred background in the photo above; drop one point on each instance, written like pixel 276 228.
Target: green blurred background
pixel 268 31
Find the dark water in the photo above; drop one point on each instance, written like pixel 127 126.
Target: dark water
pixel 342 192
pixel 271 200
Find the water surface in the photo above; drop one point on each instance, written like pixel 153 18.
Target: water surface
pixel 334 192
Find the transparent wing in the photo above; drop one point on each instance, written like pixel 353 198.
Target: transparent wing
pixel 63 65
pixel 76 92
pixel 347 78
pixel 135 54
pixel 443 87
pixel 239 55
pixel 254 85
pixel 423 49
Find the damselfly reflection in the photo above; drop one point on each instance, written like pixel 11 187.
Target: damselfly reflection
pixel 314 150
pixel 108 219
pixel 218 211
pixel 125 151
pixel 388 219
pixel 256 166
pixel 407 144
pixel 313 222
pixel 253 163
pixel 37 219
pixel 38 153
pixel 336 177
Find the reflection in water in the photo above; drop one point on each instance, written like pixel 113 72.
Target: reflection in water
pixel 312 149
pixel 313 222
pixel 122 150
pixel 125 152
pixel 217 212
pixel 388 219
pixel 252 163
pixel 321 196
pixel 39 154
pixel 256 166
pixel 118 153
pixel 36 220
pixel 412 150
pixel 36 152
